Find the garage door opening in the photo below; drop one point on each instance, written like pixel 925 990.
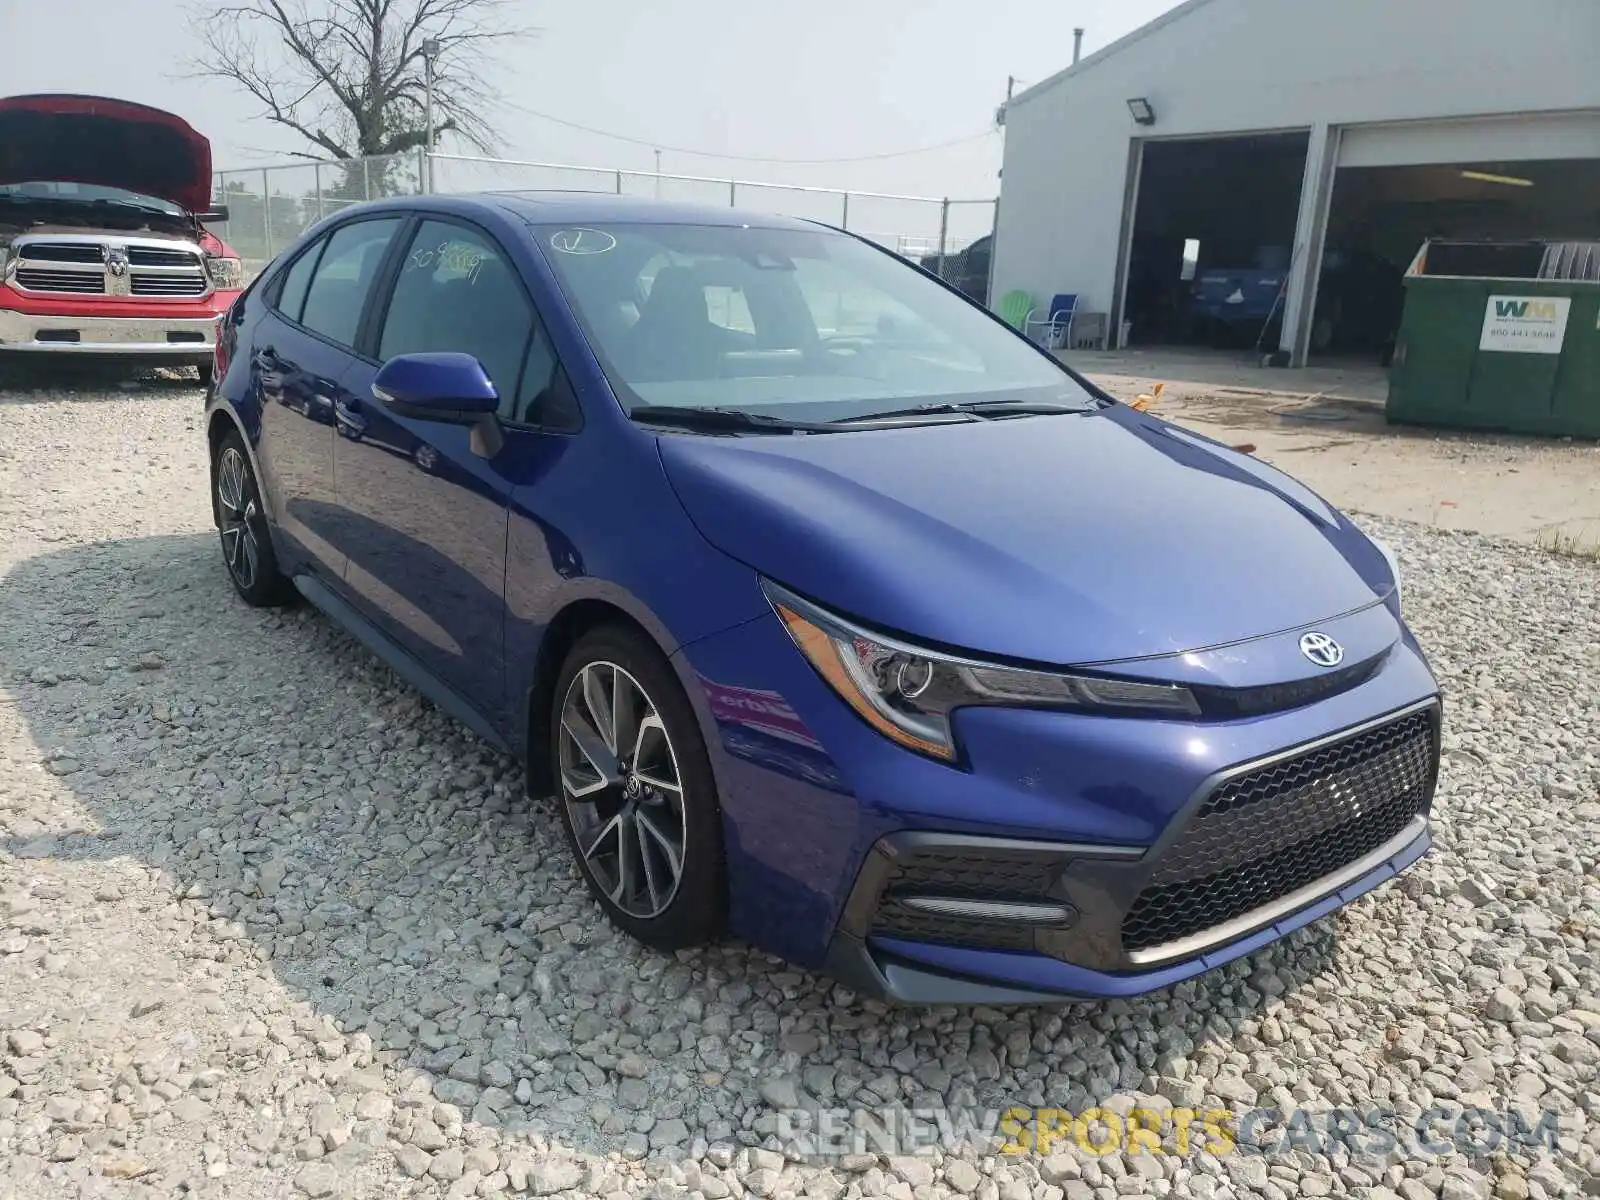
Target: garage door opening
pixel 1380 216
pixel 1214 224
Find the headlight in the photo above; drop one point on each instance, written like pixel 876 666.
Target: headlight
pixel 1394 567
pixel 226 273
pixel 907 693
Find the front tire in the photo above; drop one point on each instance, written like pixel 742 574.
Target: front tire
pixel 242 523
pixel 637 796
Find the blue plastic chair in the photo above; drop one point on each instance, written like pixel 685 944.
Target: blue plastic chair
pixel 1055 322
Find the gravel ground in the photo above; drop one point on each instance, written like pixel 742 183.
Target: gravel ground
pixel 271 926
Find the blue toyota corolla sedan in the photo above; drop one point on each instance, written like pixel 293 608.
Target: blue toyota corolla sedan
pixel 834 614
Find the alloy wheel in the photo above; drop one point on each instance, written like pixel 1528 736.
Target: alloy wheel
pixel 622 788
pixel 236 504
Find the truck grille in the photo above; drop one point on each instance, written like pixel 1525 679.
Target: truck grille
pixel 42 279
pixel 156 256
pixel 1276 829
pixel 114 266
pixel 168 285
pixel 70 252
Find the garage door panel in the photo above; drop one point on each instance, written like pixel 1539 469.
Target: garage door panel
pixel 1526 139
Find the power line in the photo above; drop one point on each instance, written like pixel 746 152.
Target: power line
pixel 798 162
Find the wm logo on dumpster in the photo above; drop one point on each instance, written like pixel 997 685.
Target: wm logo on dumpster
pixel 1525 324
pixel 1527 310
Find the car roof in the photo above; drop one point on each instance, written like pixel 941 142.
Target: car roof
pixel 562 208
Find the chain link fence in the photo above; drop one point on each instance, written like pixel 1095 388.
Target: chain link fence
pixel 269 207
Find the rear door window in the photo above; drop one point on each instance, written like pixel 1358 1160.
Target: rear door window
pixel 344 277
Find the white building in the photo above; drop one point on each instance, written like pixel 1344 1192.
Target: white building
pixel 1282 134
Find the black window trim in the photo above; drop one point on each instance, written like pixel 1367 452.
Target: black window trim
pixel 280 277
pixel 320 247
pixel 375 315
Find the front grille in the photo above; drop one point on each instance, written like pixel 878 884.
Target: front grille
pixel 167 285
pixel 155 256
pixel 70 252
pixel 1269 832
pixel 43 279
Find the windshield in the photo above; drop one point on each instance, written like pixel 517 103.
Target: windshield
pixel 800 324
pixel 86 193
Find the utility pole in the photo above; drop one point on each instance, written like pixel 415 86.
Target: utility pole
pixel 430 51
pixel 1000 113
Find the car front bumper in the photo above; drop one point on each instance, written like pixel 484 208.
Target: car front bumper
pixel 924 971
pixel 1071 856
pixel 187 338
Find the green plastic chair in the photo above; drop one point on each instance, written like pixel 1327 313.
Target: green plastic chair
pixel 1014 309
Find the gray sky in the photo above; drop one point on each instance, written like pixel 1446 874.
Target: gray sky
pixel 826 79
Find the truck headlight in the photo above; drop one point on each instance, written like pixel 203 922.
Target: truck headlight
pixel 907 693
pixel 226 273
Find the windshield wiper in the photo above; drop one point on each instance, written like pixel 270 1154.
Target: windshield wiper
pixel 722 420
pixel 976 409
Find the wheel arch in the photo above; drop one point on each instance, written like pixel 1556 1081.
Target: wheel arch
pixel 219 424
pixel 571 623
pixel 222 418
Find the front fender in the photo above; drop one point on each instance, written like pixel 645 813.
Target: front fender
pixel 575 551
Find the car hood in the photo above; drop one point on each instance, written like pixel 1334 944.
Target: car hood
pixel 1071 540
pixel 112 143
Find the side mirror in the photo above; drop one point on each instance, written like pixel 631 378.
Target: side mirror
pixel 218 214
pixel 437 386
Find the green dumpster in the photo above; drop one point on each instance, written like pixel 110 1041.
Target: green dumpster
pixel 1517 355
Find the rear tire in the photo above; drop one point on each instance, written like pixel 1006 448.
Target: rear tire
pixel 242 524
pixel 638 800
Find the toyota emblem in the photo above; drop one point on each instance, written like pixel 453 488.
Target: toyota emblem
pixel 1321 649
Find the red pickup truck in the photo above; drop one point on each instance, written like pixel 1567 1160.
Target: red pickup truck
pixel 103 244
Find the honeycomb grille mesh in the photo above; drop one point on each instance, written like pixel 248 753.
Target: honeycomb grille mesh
pixel 1267 833
pixel 898 921
pixel 972 872
pixel 967 871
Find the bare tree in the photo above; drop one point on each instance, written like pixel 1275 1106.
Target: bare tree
pixel 348 75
